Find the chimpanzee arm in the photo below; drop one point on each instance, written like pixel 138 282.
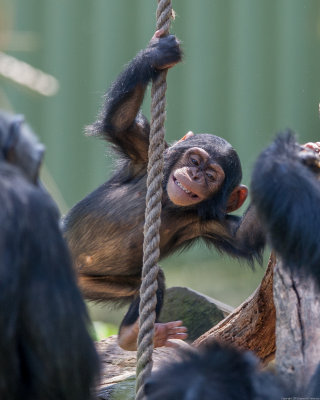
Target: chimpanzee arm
pixel 286 192
pixel 120 121
pixel 241 238
pixel 249 235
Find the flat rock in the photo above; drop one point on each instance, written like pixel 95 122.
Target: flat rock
pixel 198 312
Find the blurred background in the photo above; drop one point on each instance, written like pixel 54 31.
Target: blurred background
pixel 251 69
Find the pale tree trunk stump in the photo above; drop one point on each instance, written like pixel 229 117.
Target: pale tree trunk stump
pixel 297 302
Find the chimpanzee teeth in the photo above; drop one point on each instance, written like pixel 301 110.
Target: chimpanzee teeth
pixel 182 187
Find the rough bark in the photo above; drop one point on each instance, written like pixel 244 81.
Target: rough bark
pixel 250 326
pixel 297 302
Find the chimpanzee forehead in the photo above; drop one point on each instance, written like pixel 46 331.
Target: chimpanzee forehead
pixel 205 140
pixel 216 146
pixel 208 157
pixel 220 151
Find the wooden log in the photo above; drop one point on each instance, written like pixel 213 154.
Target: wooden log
pixel 250 326
pixel 297 303
pixel 118 368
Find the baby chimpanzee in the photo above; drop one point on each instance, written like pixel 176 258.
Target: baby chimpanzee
pixel 202 185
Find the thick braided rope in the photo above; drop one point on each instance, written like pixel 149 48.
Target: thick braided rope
pixel 151 252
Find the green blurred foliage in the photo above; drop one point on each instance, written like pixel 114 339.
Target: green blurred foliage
pixel 251 68
pixel 103 330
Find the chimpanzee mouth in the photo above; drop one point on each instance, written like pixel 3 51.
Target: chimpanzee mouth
pixel 188 192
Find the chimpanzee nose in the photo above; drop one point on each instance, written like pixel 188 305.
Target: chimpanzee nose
pixel 195 174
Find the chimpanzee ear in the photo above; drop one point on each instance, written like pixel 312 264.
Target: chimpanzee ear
pixel 237 198
pixel 186 136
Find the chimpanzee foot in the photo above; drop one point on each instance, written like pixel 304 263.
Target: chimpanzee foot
pixel 127 338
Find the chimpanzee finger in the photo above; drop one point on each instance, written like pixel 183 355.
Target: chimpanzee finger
pixel 180 329
pixel 159 33
pixel 312 146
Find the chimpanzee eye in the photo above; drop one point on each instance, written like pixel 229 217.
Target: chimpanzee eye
pixel 194 161
pixel 210 176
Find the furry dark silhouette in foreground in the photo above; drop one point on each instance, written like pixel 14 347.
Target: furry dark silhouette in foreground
pixel 213 372
pixel 285 190
pixel 220 372
pixel 202 185
pixel 46 351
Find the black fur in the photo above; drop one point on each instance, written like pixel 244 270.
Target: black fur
pixel 221 372
pixel 46 351
pixel 213 372
pixel 285 189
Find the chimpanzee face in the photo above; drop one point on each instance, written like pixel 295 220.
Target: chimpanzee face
pixel 194 178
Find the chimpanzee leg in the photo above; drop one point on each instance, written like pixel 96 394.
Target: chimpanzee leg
pixel 129 328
